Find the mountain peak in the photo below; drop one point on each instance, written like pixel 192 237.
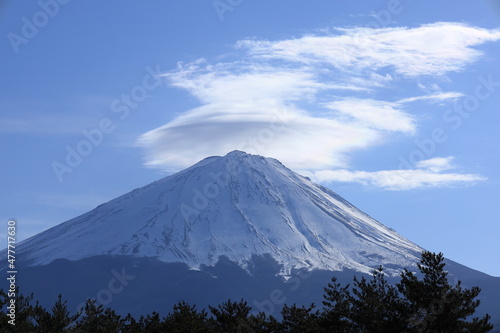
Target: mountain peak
pixel 238 156
pixel 233 158
pixel 238 153
pixel 241 157
pixel 237 206
pixel 234 154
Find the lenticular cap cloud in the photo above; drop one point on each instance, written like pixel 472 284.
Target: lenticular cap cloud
pixel 321 141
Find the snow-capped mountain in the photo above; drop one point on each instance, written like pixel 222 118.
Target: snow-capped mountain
pixel 236 206
pixel 233 227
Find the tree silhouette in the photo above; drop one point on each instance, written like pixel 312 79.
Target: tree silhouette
pixel 436 305
pixel 430 304
pixel 186 318
pixel 299 319
pixel 59 320
pixel 97 319
pixel 336 316
pixel 376 306
pixel 231 317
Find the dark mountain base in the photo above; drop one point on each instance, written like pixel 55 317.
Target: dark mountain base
pixel 143 285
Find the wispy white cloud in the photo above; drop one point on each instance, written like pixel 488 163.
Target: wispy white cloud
pixel 436 164
pixel 243 82
pixel 309 101
pixel 433 49
pixel 428 173
pixel 385 115
pixel 435 97
pixel 380 115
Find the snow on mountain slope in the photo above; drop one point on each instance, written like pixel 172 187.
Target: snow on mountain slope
pixel 237 205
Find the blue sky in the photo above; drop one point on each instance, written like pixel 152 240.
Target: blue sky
pixel 392 104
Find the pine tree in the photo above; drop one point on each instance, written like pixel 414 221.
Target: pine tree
pixel 260 322
pixel 299 319
pixel 152 323
pixel 336 316
pixel 186 318
pixel 231 317
pixel 97 319
pixel 59 320
pixel 436 305
pixel 414 305
pixel 131 325
pixel 377 306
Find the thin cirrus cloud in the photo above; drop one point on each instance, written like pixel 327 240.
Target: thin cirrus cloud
pixel 309 101
pixel 428 173
pixel 384 115
pixel 432 49
pixel 380 115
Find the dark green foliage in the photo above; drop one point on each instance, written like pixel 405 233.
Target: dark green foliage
pixel 429 304
pixel 97 319
pixel 336 316
pixel 59 320
pixel 151 323
pixel 369 306
pixel 231 317
pixel 262 323
pixel 437 306
pixel 376 305
pixel 236 317
pixel 186 318
pixel 422 303
pixel 130 325
pixel 299 320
